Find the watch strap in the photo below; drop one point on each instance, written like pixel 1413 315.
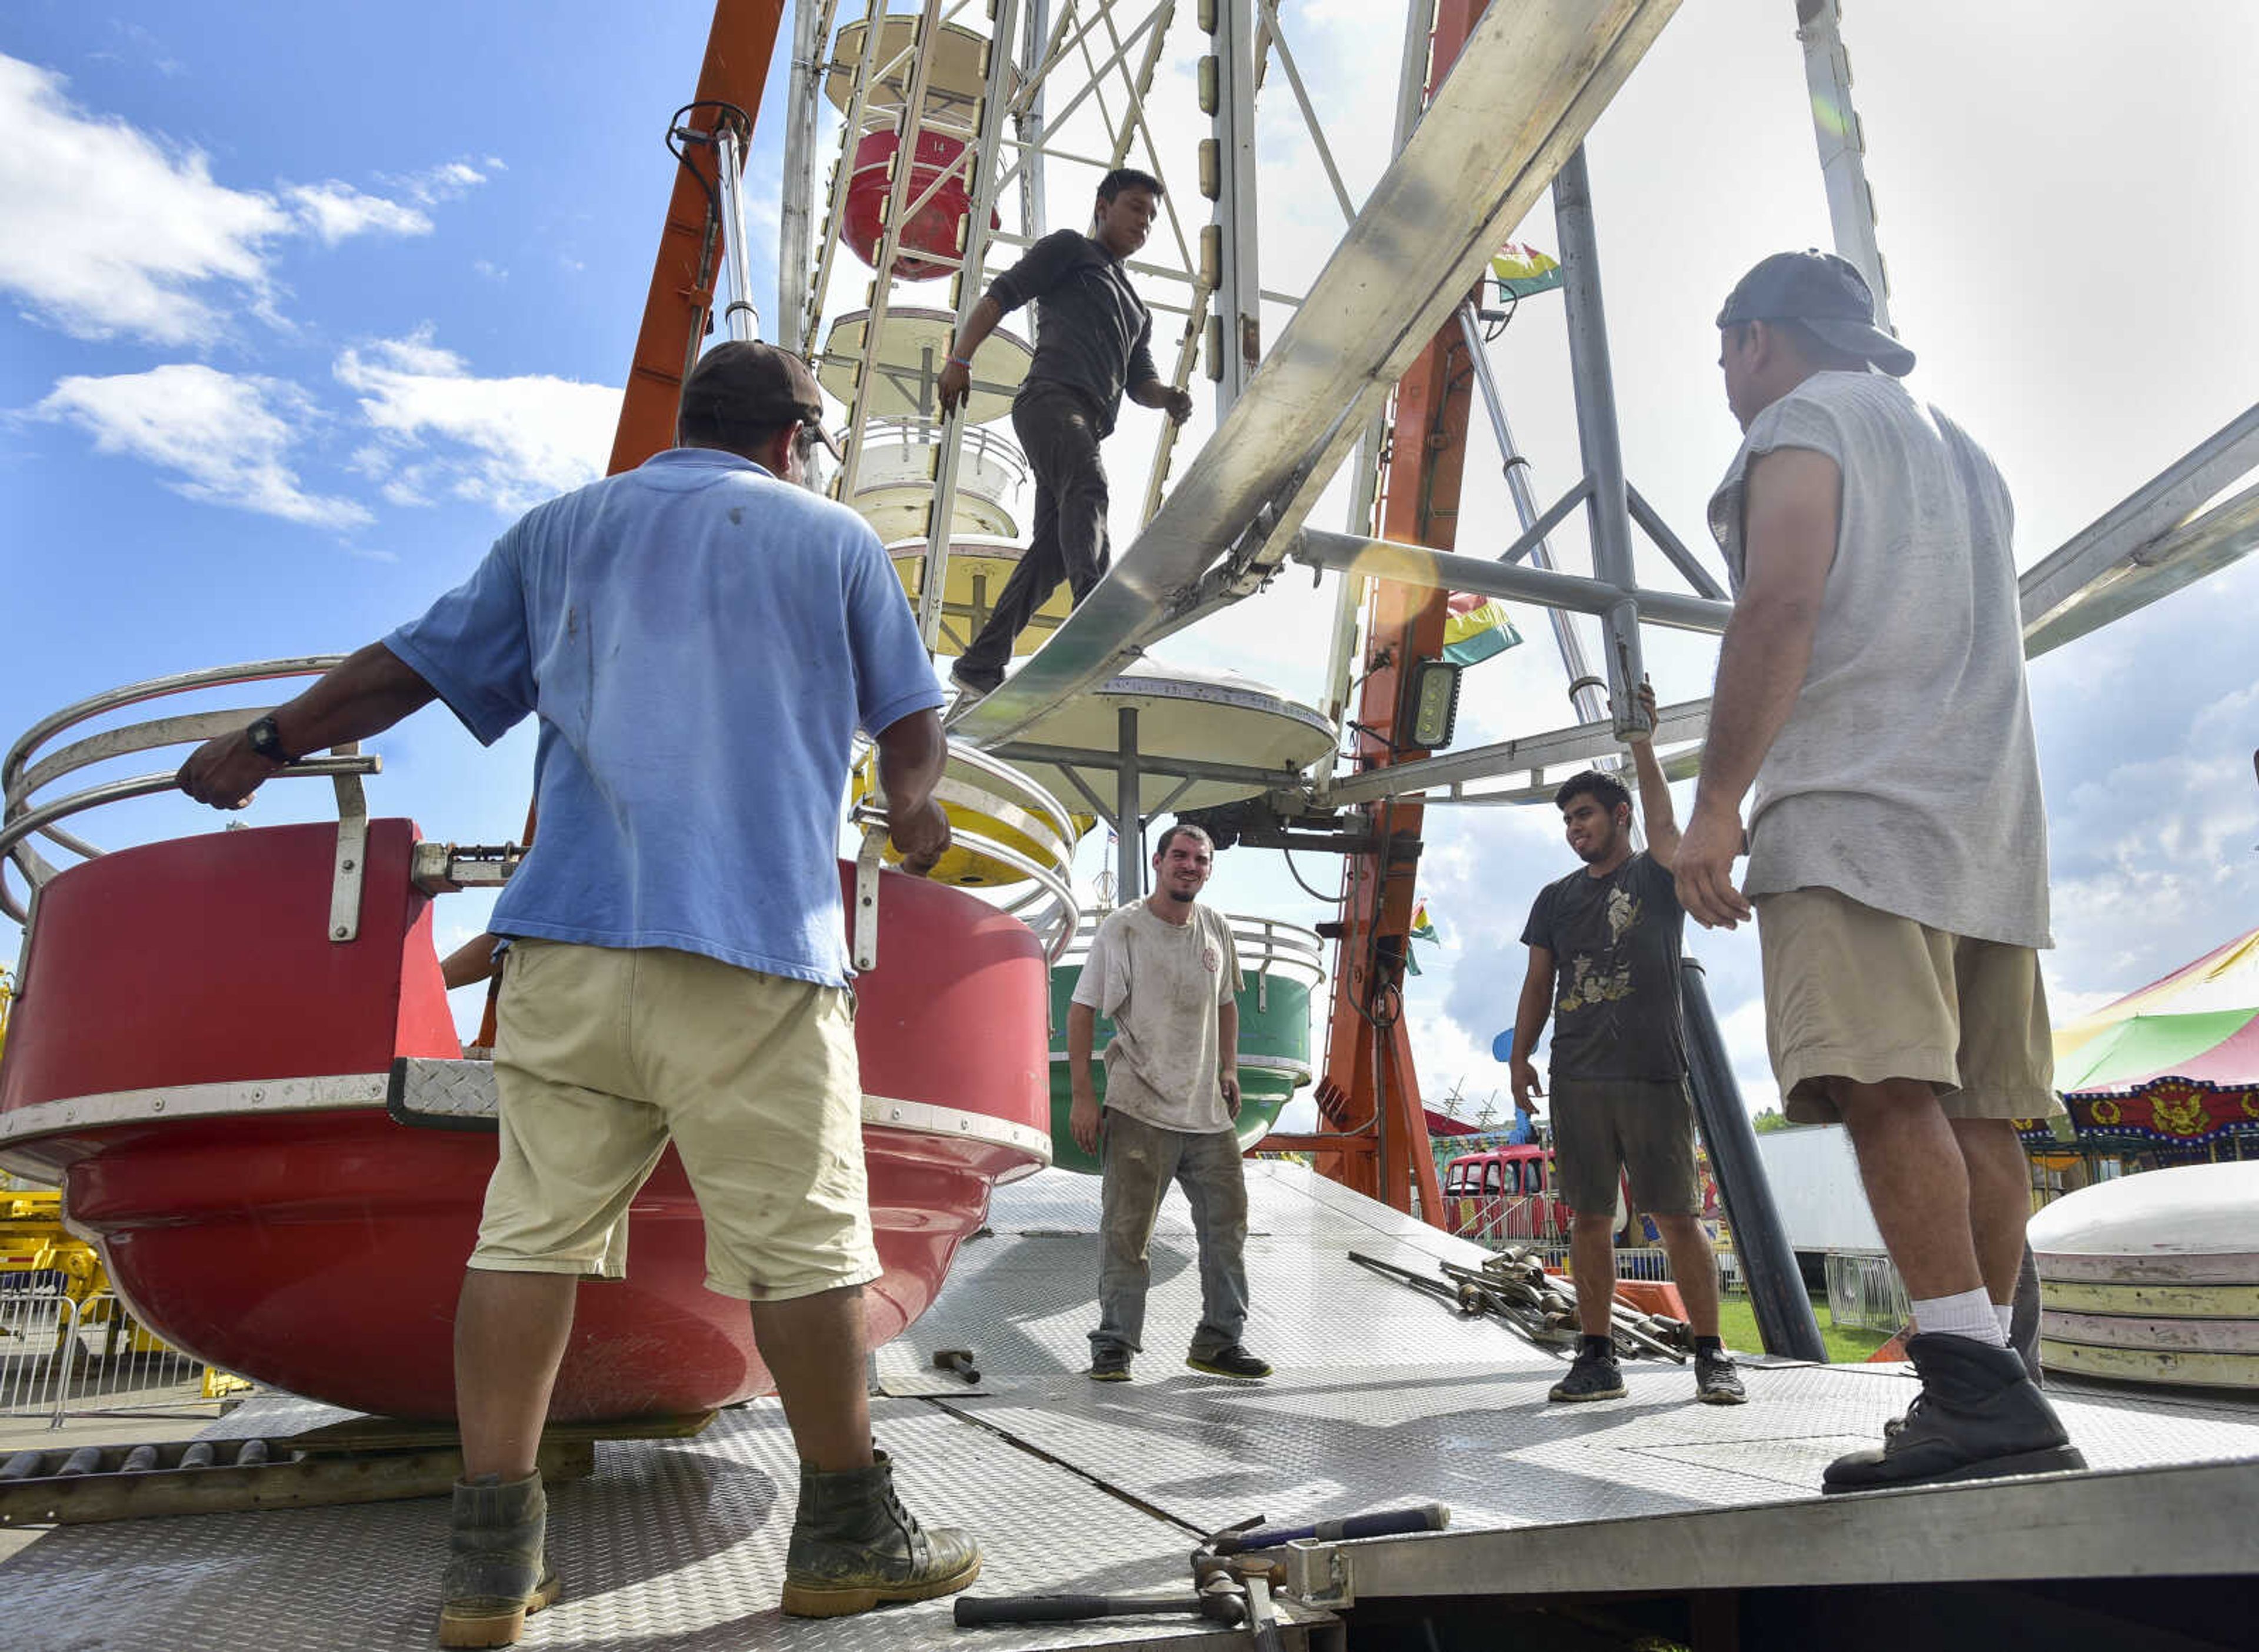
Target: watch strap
pixel 266 739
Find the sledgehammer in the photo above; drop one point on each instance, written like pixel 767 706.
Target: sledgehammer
pixel 1428 1517
pixel 959 1360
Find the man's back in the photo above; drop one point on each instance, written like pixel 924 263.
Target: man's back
pixel 699 640
pixel 1907 777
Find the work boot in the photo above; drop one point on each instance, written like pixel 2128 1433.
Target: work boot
pixel 1717 1381
pixel 1110 1365
pixel 1977 1416
pixel 854 1546
pixel 1234 1361
pixel 497 1570
pixel 1594 1375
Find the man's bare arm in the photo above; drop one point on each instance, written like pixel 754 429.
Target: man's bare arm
pixel 364 694
pixel 955 377
pixel 1790 513
pixel 912 753
pixel 1155 393
pixel 1529 1020
pixel 1654 790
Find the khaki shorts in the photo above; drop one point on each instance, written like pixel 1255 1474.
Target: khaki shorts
pixel 603 1055
pixel 1643 1128
pixel 1852 993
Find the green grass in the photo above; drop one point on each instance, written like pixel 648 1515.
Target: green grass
pixel 1737 1324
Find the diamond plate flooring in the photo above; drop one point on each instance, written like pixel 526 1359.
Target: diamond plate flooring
pixel 1383 1397
pixel 677 1544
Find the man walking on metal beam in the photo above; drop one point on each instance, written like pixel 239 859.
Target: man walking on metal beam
pixel 1604 959
pixel 1870 704
pixel 645 1002
pixel 1094 342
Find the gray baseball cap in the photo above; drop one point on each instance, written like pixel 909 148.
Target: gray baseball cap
pixel 1826 294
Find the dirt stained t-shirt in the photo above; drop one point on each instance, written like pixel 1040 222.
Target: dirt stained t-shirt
pixel 1616 945
pixel 1161 984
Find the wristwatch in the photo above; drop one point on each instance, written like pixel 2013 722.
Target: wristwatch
pixel 267 740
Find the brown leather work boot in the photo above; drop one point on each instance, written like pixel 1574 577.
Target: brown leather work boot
pixel 854 1546
pixel 497 1569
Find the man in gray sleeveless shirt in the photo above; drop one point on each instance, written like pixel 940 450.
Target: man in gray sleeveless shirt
pixel 1870 707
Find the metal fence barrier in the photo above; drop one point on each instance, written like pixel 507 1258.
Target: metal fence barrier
pixel 38 1331
pixel 1864 1290
pixel 59 1357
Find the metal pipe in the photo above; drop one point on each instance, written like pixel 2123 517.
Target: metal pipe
pixel 1032 216
pixel 1608 510
pixel 1416 565
pixel 1843 146
pixel 1348 601
pixel 1784 1311
pixel 740 320
pixel 1129 822
pixel 1191 768
pixel 941 516
pixel 810 22
pixel 890 235
pixel 1566 640
pixel 1237 307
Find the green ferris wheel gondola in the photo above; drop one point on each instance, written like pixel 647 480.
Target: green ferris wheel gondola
pixel 1281 964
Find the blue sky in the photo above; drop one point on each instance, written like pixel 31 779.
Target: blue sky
pixel 302 304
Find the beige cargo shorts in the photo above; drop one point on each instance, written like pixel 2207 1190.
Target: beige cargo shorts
pixel 603 1055
pixel 1853 993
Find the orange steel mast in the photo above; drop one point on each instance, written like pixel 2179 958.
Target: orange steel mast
pixel 1375 1135
pixel 738 48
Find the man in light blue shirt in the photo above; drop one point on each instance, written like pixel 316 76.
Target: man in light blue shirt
pixel 699 638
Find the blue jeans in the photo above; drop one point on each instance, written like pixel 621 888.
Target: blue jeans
pixel 1138 1162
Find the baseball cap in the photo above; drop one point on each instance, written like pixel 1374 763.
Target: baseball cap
pixel 744 384
pixel 1827 295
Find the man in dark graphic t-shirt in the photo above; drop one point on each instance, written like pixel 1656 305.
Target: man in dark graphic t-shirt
pixel 1604 951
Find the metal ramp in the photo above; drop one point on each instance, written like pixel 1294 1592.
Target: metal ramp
pixel 1382 1398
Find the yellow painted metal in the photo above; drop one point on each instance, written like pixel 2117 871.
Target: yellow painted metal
pixel 978 569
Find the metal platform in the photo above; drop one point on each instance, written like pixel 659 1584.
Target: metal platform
pixel 1382 1398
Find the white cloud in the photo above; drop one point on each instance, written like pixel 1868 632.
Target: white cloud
pixel 108 231
pixel 446 181
pixel 507 443
pixel 227 437
pixel 334 210
pixel 112 231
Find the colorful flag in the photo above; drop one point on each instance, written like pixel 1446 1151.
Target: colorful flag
pixel 1422 928
pixel 1476 628
pixel 1523 272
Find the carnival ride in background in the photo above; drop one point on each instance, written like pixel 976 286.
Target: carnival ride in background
pixel 281 1149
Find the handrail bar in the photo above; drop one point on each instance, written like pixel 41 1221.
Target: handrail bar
pixel 147 786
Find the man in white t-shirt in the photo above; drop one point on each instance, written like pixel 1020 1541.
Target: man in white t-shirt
pixel 1870 706
pixel 1164 972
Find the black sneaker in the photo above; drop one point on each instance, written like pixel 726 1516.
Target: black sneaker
pixel 1234 1361
pixel 1716 1380
pixel 975 684
pixel 1110 1365
pixel 1595 1374
pixel 1977 1416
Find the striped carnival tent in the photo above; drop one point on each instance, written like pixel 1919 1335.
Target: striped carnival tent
pixel 2175 1061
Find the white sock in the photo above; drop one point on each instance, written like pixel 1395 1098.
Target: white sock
pixel 1968 1314
pixel 2005 1312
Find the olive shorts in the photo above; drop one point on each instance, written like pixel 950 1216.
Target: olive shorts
pixel 603 1055
pixel 1855 993
pixel 1641 1128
